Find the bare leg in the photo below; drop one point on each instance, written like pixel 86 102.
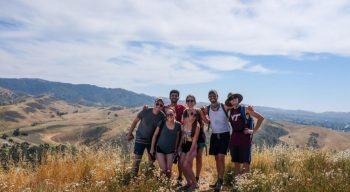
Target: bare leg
pixel 183 163
pixel 199 162
pixel 246 167
pixel 169 164
pixel 220 165
pixel 136 165
pixel 237 168
pixel 189 171
pixel 162 162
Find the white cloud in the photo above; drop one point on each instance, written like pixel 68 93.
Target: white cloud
pixel 260 69
pixel 223 63
pixel 86 41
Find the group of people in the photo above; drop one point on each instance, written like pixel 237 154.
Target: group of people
pixel 175 133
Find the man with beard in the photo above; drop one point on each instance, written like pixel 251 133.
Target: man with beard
pixel 220 137
pixel 150 118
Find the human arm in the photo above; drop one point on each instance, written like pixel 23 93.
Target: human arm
pixel 177 141
pixel 203 113
pixel 154 138
pixel 256 115
pixel 194 140
pixel 130 136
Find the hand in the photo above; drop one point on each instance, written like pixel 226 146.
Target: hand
pixel 129 136
pixel 250 109
pixel 151 151
pixel 248 131
pixel 145 107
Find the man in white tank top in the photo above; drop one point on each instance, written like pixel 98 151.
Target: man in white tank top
pixel 215 115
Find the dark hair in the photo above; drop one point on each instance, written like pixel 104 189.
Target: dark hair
pixel 174 91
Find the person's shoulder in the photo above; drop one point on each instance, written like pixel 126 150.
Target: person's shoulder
pixel 161 113
pixel 178 125
pixel 148 110
pixel 180 106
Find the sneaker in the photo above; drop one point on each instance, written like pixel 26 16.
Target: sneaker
pixel 186 187
pixel 217 188
pixel 214 185
pixel 193 187
pixel 179 181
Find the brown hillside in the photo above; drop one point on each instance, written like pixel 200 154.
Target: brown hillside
pixel 327 138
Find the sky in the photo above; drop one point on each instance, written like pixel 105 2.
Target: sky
pixel 276 53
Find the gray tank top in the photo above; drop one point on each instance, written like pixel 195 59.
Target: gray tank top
pixel 218 121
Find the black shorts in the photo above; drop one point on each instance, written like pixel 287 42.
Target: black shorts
pixel 159 150
pixel 241 153
pixel 186 147
pixel 219 143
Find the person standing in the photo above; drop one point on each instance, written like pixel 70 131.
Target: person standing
pixel 191 129
pixel 169 137
pixel 174 97
pixel 242 132
pixel 220 137
pixel 149 119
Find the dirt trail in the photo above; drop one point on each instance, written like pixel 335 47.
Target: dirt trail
pixel 47 137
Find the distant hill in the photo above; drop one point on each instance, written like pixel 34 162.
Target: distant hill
pixel 14 89
pixel 339 121
pixel 80 94
pixel 9 97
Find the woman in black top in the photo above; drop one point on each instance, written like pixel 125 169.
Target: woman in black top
pixel 168 134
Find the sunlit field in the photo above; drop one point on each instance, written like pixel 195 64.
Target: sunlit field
pixel 280 168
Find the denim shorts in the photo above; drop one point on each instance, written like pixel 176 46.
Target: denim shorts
pixel 139 148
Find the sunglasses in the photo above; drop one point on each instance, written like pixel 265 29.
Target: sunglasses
pixel 189 101
pixel 192 114
pixel 159 104
pixel 170 115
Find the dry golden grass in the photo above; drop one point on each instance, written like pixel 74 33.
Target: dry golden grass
pixel 280 168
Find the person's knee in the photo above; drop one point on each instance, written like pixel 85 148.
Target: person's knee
pixel 199 159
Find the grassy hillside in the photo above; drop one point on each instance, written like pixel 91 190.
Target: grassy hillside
pixel 279 168
pixel 48 120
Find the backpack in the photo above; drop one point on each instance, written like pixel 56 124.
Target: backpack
pixel 249 120
pixel 223 108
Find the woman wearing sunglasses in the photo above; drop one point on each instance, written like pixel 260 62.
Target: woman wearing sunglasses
pixel 169 136
pixel 191 132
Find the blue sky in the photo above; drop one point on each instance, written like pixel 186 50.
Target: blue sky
pixel 285 54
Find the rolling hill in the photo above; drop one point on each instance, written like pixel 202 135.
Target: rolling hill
pixel 81 94
pixel 45 119
pixel 96 96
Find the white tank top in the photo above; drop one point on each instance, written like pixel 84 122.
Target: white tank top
pixel 218 121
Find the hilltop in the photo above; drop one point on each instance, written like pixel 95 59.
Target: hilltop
pixel 81 94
